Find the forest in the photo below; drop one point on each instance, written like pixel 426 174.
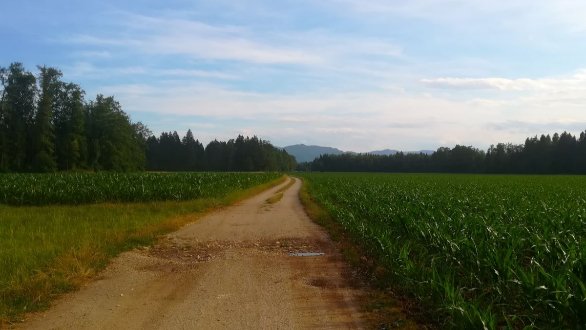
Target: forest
pixel 558 154
pixel 47 125
pixel 171 153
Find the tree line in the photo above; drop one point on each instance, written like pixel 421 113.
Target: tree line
pixel 47 125
pixel 557 154
pixel 169 152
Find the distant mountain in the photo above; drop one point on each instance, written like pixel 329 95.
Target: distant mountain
pixel 384 152
pixel 387 152
pixel 427 152
pixel 303 153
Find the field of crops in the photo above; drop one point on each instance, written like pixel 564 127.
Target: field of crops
pixel 79 188
pixel 475 250
pixel 51 241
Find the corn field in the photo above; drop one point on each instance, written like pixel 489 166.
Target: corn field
pixel 80 188
pixel 476 251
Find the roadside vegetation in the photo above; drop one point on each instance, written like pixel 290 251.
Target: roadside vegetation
pixel 50 249
pixel 80 188
pixel 473 251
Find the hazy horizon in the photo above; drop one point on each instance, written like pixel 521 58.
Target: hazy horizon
pixel 354 75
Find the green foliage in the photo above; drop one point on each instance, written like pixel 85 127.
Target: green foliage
pixel 170 153
pixel 71 139
pixel 46 250
pixel 19 95
pixel 112 140
pixel 44 135
pixel 49 127
pixel 79 188
pixel 560 154
pixel 482 251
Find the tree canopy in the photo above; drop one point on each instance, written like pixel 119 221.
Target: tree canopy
pixel 169 152
pixel 46 125
pixel 560 153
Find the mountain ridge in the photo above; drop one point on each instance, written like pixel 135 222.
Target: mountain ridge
pixel 306 153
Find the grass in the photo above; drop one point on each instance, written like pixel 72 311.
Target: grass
pixel 385 310
pixel 475 251
pixel 48 250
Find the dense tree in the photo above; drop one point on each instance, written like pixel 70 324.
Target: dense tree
pixel 581 153
pixel 169 153
pixel 44 134
pixel 193 153
pixel 3 127
pixel 218 155
pixel 19 97
pixel 560 153
pixel 70 129
pixel 46 125
pixel 113 143
pixel 564 154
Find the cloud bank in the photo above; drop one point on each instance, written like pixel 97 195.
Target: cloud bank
pixel 351 74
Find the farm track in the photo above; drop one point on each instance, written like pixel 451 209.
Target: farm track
pixel 230 269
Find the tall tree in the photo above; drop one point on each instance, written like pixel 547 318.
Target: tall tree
pixel 216 152
pixel 564 156
pixel 44 134
pixel 581 154
pixel 70 129
pixel 113 144
pixel 18 109
pixel 193 153
pixel 3 128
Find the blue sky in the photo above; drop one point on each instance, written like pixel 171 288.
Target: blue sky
pixel 354 74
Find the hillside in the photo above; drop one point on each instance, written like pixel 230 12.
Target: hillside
pixel 304 153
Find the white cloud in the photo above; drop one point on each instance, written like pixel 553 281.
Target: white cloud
pixel 352 121
pixel 574 82
pixel 353 90
pixel 86 69
pixel 539 127
pixel 170 36
pixel 199 40
pixel 483 83
pixel 92 54
pixel 363 121
pixel 522 15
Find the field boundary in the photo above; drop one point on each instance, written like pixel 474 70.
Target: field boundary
pixel 71 270
pixel 389 309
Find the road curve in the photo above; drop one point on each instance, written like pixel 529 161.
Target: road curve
pixel 231 269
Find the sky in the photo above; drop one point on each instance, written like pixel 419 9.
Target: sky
pixel 358 75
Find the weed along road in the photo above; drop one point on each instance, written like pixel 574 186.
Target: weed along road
pixel 260 264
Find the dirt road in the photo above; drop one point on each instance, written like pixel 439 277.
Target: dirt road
pixel 230 269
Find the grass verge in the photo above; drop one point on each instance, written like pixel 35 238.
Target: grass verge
pixel 386 309
pixel 48 250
